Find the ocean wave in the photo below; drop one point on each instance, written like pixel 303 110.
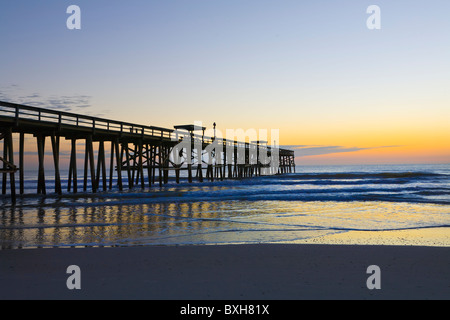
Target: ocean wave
pixel 404 186
pixel 365 175
pixel 352 195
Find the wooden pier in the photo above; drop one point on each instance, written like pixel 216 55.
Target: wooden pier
pixel 139 155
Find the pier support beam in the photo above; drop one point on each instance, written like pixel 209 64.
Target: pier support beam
pixel 101 166
pixel 21 162
pixel 118 163
pixel 41 174
pixel 55 147
pixel 141 164
pixel 111 165
pixel 8 162
pixel 73 167
pixel 128 163
pixel 90 151
pixel 11 161
pixel 4 161
pixel 199 165
pixel 149 164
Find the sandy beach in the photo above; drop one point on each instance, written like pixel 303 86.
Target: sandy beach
pixel 236 272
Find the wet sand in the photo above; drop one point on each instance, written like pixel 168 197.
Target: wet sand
pixel 228 272
pixel 434 237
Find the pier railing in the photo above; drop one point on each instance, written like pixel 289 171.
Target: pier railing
pixel 21 112
pixel 58 118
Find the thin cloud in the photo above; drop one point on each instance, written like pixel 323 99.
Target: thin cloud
pixel 315 150
pixel 75 103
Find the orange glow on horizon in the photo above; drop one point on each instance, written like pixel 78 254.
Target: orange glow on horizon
pixel 394 155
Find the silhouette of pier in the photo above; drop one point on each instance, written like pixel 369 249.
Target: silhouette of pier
pixel 139 155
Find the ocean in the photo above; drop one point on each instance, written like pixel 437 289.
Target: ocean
pixel 311 203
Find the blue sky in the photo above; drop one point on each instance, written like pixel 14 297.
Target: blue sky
pixel 310 68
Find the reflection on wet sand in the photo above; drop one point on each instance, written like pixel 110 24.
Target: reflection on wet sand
pixel 132 219
pixel 102 225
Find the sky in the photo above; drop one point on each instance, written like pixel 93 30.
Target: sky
pixel 337 91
